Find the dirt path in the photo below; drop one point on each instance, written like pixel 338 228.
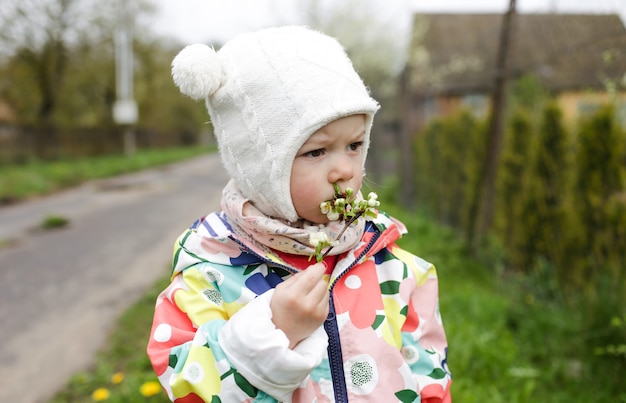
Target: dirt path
pixel 61 290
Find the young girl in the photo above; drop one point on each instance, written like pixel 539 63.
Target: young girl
pixel 249 314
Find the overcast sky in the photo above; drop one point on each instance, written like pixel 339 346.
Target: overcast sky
pixel 193 21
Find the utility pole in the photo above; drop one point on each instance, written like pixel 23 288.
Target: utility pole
pixel 486 193
pixel 125 111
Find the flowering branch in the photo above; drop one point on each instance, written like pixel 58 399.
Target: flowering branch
pixel 343 206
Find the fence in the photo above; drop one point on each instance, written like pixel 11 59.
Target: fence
pixel 19 144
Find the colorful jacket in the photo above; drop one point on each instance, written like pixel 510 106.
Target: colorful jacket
pixel 213 340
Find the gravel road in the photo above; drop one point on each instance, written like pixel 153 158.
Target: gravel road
pixel 61 290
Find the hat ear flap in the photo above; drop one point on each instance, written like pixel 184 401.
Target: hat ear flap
pixel 197 71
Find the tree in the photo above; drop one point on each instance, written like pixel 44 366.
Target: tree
pixel 161 105
pixel 446 163
pixel 540 223
pixel 600 189
pixel 38 34
pixel 62 51
pixel 455 172
pixel 513 171
pixel 486 193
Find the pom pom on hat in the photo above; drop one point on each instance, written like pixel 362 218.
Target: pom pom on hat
pixel 197 71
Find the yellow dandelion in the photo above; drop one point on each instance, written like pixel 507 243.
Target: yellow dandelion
pixel 117 378
pixel 150 388
pixel 100 394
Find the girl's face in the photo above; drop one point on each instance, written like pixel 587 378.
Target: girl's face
pixel 333 154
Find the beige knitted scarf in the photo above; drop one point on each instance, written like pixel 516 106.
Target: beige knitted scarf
pixel 253 226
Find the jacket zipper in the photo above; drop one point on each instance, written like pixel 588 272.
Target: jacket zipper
pixel 335 356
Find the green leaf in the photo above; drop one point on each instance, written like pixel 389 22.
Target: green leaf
pixel 180 248
pixel 227 373
pixel 407 396
pixel 175 260
pixel 390 287
pixel 378 321
pixel 245 385
pixel 437 373
pixel 173 360
pixel 250 269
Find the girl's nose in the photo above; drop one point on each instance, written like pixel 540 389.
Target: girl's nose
pixel 341 171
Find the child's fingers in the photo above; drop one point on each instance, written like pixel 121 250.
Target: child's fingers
pixel 310 281
pixel 312 275
pixel 316 270
pixel 318 290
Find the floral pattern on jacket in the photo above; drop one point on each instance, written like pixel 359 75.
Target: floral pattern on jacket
pixel 384 309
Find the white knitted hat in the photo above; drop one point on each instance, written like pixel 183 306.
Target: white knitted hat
pixel 266 93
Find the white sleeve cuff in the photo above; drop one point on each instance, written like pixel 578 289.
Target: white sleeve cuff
pixel 261 353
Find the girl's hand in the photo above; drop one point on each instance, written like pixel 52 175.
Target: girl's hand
pixel 300 304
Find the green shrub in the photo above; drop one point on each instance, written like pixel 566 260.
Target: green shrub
pixel 539 224
pixel 600 195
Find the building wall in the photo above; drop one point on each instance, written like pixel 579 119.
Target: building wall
pixel 577 105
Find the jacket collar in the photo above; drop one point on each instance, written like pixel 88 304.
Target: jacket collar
pixel 211 239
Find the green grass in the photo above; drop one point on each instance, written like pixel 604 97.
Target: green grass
pixel 53 222
pixel 483 354
pixel 515 338
pixel 511 340
pixel 36 178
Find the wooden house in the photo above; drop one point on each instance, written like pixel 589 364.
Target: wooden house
pixel 451 62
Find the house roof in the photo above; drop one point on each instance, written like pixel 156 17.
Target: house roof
pixel 456 53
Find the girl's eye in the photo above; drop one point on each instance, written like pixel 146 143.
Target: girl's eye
pixel 355 146
pixel 315 153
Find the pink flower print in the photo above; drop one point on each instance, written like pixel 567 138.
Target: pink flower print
pixel 311 392
pixel 170 328
pixel 365 240
pixel 426 304
pixel 412 319
pixel 373 368
pixel 358 293
pixel 190 398
pixel 214 246
pixel 435 393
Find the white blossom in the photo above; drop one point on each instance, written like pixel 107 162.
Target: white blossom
pixel 316 238
pixel 333 215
